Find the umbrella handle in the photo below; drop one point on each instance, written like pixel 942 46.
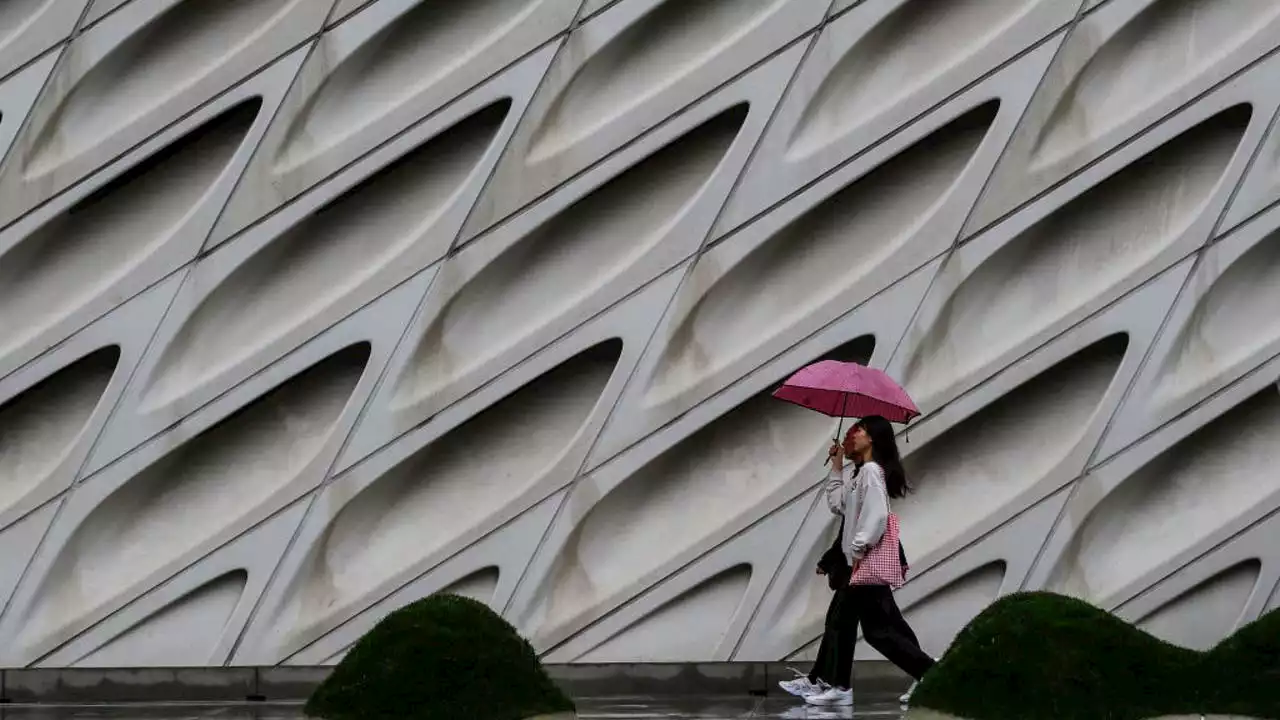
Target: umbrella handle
pixel 839 427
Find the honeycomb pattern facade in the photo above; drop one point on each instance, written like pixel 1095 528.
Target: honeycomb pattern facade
pixel 310 308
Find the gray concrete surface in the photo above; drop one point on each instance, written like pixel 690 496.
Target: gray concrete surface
pixel 289 684
pixel 688 708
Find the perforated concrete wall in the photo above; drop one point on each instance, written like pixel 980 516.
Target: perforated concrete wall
pixel 309 308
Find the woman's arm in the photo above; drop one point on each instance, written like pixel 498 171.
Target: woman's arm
pixel 873 515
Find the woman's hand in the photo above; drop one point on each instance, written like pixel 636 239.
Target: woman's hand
pixel 836 454
pixel 854 571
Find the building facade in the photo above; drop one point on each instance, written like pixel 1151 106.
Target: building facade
pixel 311 308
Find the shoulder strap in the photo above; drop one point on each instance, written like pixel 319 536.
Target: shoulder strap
pixel 857 488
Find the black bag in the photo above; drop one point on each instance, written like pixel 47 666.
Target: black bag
pixel 833 563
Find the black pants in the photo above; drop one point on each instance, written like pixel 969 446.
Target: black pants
pixel 824 666
pixel 874 608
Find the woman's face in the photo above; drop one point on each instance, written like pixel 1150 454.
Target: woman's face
pixel 856 441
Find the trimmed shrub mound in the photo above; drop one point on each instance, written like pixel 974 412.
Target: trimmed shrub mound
pixel 1039 655
pixel 444 657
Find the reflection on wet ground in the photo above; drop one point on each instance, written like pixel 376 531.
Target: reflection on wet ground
pixel 640 708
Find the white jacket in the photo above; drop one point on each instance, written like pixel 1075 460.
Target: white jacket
pixel 865 523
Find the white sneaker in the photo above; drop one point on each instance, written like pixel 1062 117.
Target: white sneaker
pixel 800 685
pixel 832 697
pixel 906 696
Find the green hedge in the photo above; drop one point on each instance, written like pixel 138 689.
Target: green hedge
pixel 1040 655
pixel 444 657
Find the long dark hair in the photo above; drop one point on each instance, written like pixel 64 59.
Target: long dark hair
pixel 884 450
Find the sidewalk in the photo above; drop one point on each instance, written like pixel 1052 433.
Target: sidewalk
pixel 744 683
pixel 588 709
pixel 724 708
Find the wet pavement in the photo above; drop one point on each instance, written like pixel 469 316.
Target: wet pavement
pixel 724 708
pixel 683 708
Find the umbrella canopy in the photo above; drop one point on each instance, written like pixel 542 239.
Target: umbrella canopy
pixel 847 389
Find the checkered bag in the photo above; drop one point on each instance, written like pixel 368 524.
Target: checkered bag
pixel 882 565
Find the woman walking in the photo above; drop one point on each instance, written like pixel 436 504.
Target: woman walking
pixel 862 498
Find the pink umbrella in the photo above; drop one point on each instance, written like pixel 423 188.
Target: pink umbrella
pixel 847 389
